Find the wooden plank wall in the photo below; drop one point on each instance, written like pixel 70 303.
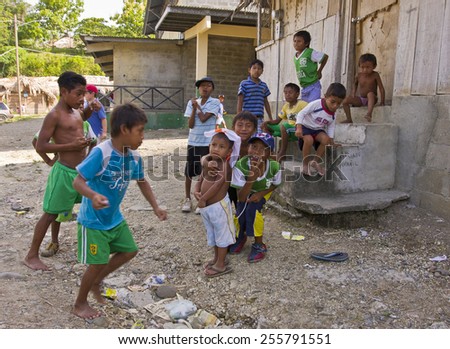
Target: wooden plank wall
pixel 427 48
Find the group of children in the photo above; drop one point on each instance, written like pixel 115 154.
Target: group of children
pixel 236 167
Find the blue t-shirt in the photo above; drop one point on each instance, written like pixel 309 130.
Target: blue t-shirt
pixel 107 172
pixel 254 95
pixel 95 120
pixel 196 135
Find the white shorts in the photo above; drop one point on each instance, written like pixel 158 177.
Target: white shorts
pixel 219 223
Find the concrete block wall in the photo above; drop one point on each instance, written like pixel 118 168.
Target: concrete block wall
pixel 425 139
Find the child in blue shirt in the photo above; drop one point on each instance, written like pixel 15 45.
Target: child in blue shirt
pixel 253 93
pixel 103 179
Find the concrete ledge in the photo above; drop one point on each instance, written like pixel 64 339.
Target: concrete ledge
pixel 353 202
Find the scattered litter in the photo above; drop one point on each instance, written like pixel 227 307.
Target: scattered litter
pixel 410 206
pixel 203 319
pixel 110 293
pixel 158 309
pixel 439 258
pixel 363 233
pixel 19 208
pixel 180 309
pixel 136 288
pixel 289 236
pixel 138 325
pixel 440 220
pixel 308 266
pixel 155 280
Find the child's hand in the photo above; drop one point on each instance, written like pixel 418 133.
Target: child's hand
pixel 256 197
pixel 197 195
pixel 95 105
pixel 161 214
pixel 194 103
pixel 81 143
pixel 264 127
pixel 201 203
pixel 99 201
pixel 299 134
pixel 254 169
pixel 212 168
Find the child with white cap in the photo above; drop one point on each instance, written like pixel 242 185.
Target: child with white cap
pixel 211 192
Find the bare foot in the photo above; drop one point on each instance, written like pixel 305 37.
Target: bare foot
pixel 368 118
pixel 35 263
pixel 347 121
pixel 305 170
pixel 97 293
pixel 315 165
pixel 86 312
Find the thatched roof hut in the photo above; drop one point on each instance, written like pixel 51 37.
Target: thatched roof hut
pixel 41 92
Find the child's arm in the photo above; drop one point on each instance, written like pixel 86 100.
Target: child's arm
pixel 355 86
pixel 43 144
pixel 147 191
pixel 322 65
pixel 381 88
pixel 98 201
pixel 240 103
pixel 218 182
pixel 267 106
pixel 44 156
pixel 104 127
pixel 256 197
pixel 191 121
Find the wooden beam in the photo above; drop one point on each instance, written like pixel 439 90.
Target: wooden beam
pixel 235 31
pixel 201 27
pixel 104 59
pixel 107 67
pixel 97 47
pixel 201 68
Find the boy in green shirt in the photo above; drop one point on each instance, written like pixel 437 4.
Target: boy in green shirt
pixel 255 176
pixel 306 61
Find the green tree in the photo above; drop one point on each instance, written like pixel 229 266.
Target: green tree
pixel 7 10
pixel 50 19
pixel 130 22
pixel 93 26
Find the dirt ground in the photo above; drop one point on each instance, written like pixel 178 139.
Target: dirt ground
pixel 388 281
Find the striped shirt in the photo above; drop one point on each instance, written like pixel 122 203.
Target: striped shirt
pixel 254 95
pixel 196 134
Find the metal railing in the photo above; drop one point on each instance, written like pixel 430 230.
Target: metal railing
pixel 146 97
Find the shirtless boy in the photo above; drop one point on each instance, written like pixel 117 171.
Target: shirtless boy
pixel 63 124
pixel 211 192
pixel 365 88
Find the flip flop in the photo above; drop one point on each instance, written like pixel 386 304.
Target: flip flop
pixel 218 272
pixel 209 264
pixel 330 257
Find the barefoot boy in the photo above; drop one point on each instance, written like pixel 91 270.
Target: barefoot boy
pixel 213 201
pixel 63 124
pixel 103 178
pixel 365 88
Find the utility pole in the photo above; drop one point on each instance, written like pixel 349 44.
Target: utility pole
pixel 17 64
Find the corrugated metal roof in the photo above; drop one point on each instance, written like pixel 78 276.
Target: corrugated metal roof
pixel 181 18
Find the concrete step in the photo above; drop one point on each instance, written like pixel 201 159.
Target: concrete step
pixel 352 202
pixel 381 114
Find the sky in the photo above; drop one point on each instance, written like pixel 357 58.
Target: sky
pixel 96 8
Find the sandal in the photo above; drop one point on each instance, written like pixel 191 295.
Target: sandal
pixel 51 250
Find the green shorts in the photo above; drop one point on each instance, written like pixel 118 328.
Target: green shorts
pixel 60 195
pixel 276 132
pixel 95 246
